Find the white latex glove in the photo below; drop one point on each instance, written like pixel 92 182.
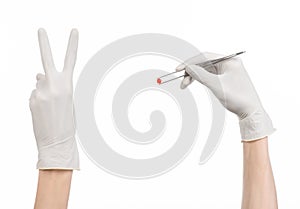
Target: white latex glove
pixel 231 84
pixel 51 105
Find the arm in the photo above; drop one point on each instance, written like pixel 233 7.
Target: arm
pixel 53 189
pixel 259 186
pixel 232 86
pixel 51 105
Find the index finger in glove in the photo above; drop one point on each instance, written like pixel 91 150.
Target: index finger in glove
pixel 192 61
pixel 45 50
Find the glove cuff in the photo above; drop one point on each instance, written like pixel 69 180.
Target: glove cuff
pixel 63 155
pixel 256 126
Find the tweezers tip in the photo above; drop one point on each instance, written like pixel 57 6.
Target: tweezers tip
pixel 240 52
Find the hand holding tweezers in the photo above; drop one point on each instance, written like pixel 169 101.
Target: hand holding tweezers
pixel 202 64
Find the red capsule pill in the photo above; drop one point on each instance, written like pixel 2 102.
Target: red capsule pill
pixel 158 81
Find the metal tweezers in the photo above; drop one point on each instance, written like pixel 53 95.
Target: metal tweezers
pixel 202 64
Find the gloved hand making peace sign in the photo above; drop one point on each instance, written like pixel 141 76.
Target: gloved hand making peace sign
pixel 51 105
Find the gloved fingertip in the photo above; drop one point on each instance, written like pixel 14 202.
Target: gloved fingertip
pixel 190 70
pixel 74 31
pixel 39 76
pixel 182 85
pixel 180 67
pixel 185 82
pixel 41 30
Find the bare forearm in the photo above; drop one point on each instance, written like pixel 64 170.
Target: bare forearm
pixel 53 189
pixel 259 188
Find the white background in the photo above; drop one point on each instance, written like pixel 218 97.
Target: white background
pixel 267 30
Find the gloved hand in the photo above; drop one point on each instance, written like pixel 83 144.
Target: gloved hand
pixel 51 105
pixel 230 83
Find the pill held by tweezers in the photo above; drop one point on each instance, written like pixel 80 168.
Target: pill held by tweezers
pixel 158 81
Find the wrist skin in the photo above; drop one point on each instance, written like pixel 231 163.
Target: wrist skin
pixel 53 189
